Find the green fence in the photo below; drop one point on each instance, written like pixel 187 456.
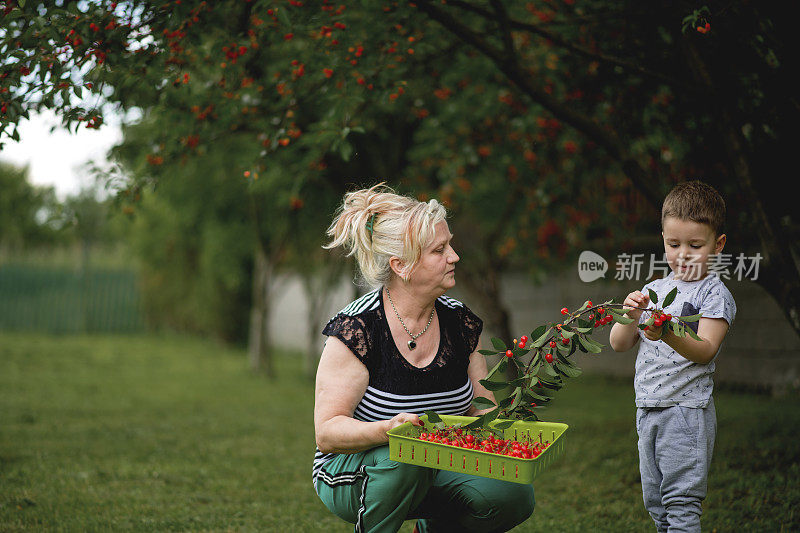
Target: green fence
pixel 61 300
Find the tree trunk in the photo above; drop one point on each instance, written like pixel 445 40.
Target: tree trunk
pixel 779 274
pixel 258 347
pixel 318 287
pixel 485 286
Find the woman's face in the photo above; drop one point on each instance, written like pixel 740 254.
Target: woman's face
pixel 436 269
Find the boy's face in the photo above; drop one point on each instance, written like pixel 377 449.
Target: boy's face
pixel 688 245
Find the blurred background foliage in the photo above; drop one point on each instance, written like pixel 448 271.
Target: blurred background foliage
pixel 545 127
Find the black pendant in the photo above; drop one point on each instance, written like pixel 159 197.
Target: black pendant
pixel 412 344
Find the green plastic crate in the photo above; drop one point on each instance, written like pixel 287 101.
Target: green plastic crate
pixel 407 449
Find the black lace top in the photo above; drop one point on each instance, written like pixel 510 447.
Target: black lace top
pixel 362 327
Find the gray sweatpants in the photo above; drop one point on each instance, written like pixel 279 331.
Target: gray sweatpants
pixel 675 448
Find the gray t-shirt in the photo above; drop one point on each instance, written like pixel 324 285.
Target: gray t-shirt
pixel 664 377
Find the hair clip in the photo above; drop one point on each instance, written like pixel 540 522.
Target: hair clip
pixel 371 225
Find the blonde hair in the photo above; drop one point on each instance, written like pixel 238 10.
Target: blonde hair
pixel 402 227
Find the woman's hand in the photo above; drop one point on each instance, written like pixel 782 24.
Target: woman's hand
pixel 402 418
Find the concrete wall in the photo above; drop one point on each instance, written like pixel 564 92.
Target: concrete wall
pixel 761 350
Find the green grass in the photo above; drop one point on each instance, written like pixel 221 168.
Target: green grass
pixel 175 434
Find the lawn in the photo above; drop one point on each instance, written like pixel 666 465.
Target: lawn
pixel 146 433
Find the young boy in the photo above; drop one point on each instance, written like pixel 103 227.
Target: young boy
pixel 675 416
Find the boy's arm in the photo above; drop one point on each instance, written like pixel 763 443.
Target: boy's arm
pixel 623 337
pixel 710 330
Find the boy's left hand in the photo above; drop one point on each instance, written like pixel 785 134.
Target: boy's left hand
pixel 654 333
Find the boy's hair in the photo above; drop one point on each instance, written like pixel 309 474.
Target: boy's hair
pixel 695 201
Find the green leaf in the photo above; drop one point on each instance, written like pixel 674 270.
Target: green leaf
pixel 547 392
pixel 570 371
pixel 487 352
pixel 493 385
pixel 535 396
pixel 519 352
pixel 585 330
pixel 517 398
pixel 692 334
pixel 668 299
pixel 538 332
pixel 653 296
pixel 491 415
pixel 498 344
pixel 499 367
pixel 477 423
pixel 589 344
pixel 690 318
pixel 482 403
pixel 345 150
pixel 621 319
pixel 284 17
pixel 505 402
pixel 433 417
pixel 549 371
pixel 504 424
pixel 542 338
pixel 566 333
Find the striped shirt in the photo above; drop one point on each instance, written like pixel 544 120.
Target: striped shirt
pixel 395 386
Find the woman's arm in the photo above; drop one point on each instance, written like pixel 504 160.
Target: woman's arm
pixel 341 382
pixel 477 371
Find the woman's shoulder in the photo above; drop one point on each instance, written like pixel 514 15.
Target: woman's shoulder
pixel 368 302
pixel 352 325
pixel 357 315
pixel 457 310
pixel 459 317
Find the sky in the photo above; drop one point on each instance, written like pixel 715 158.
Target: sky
pixel 57 158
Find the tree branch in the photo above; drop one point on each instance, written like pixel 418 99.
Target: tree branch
pixel 580 50
pixel 604 137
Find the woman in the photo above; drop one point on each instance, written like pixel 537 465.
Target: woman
pixel 390 355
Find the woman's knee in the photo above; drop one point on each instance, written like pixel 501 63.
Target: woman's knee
pixel 511 502
pixel 517 501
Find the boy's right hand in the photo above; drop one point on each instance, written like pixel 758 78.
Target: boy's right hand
pixel 634 300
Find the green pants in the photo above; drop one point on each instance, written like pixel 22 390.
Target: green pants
pixel 377 494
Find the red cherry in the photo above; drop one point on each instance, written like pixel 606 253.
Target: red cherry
pixel 600 311
pixel 524 338
pixel 548 357
pixel 588 303
pixel 597 323
pixel 509 353
pixel 521 344
pixel 564 310
pixel 552 344
pixel 565 341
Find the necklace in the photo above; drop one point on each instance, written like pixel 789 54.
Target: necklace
pixel 412 343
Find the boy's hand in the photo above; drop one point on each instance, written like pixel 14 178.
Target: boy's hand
pixel 634 300
pixel 654 333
